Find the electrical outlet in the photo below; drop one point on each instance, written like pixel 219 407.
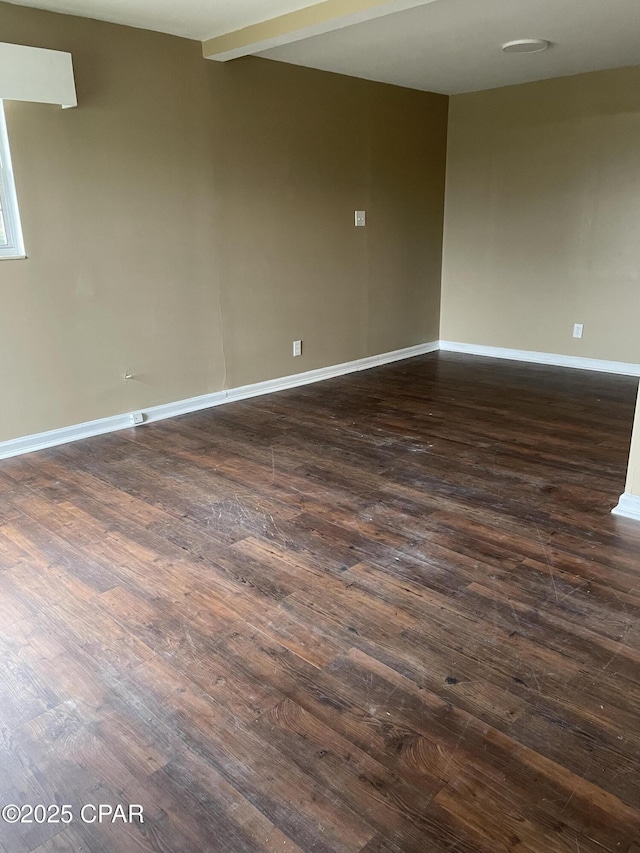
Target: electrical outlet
pixel 360 218
pixel 297 348
pixel 136 418
pixel 577 330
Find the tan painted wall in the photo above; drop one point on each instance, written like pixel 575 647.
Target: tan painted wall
pixel 302 152
pixel 542 225
pixel 189 220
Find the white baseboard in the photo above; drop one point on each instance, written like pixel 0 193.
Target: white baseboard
pixel 53 438
pixel 628 506
pixel 601 365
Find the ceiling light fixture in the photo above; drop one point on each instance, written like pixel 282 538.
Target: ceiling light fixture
pixel 526 46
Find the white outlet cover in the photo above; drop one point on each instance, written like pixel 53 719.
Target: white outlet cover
pixel 360 218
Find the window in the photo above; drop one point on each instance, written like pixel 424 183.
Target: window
pixel 11 245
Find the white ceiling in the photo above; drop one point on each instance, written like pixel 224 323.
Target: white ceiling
pixel 453 46
pixel 194 19
pixel 445 46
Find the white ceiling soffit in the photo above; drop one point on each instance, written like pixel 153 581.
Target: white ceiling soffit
pixel 453 46
pixel 36 74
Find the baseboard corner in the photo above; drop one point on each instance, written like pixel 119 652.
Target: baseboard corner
pixel 628 506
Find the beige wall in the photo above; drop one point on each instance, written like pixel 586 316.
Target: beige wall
pixel 542 224
pixel 297 152
pixel 189 220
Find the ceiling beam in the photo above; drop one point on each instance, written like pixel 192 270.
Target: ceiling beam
pixel 301 24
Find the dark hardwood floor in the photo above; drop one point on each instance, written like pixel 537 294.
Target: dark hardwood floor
pixel 387 613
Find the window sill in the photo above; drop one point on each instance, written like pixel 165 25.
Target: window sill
pixel 13 257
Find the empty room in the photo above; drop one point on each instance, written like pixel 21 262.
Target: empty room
pixel 319 433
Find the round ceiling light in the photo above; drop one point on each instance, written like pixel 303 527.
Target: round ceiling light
pixel 526 46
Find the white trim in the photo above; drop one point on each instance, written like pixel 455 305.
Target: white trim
pixel 628 506
pixel 53 438
pixel 623 367
pixel 14 247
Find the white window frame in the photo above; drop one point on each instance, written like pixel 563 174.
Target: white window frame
pixel 8 197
